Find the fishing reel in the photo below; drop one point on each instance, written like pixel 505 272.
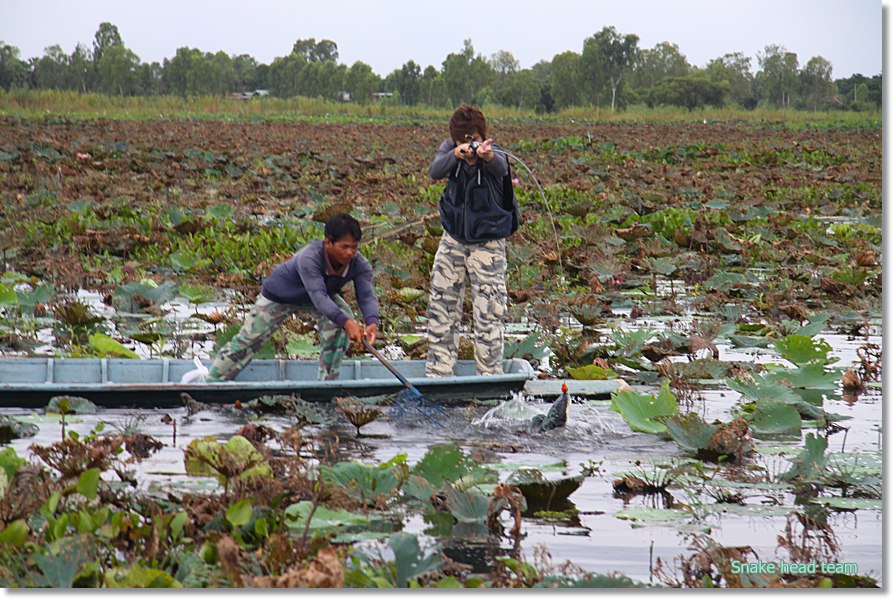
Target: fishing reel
pixel 473 145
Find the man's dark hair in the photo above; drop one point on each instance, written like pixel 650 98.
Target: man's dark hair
pixel 341 225
pixel 467 120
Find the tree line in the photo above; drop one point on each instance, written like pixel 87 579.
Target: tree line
pixel 611 71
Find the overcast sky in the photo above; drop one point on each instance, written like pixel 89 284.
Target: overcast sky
pixel 386 34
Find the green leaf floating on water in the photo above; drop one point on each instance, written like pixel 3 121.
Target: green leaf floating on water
pixel 13 429
pixel 362 482
pixel 643 411
pixel 690 432
pixel 444 462
pixel 592 372
pixel 237 458
pixel 811 376
pixel 107 347
pixel 750 341
pixel 323 518
pixel 542 492
pixel 802 349
pixel 775 418
pixel 467 507
pixel 653 515
pixel 71 405
pixel 850 503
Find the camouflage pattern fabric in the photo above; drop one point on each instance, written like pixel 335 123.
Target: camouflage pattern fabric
pixel 485 266
pixel 262 321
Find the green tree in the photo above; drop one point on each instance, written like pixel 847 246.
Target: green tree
pixel 51 71
pixel 606 58
pixel 284 76
pixel 81 71
pixel 150 79
pixel 13 71
pixel 432 88
pixel 361 82
pixel 314 51
pixel 118 71
pixel 407 82
pixel 816 81
pixel 245 73
pixel 180 71
pixel 465 74
pixel 778 75
pixel 520 89
pixel 735 69
pixel 107 36
pixel 650 66
pixel 691 91
pixel 565 80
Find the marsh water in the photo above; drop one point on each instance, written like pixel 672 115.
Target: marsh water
pixel 608 533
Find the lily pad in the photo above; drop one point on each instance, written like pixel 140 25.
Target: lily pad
pixel 592 372
pixel 542 492
pixel 363 482
pixel 801 349
pixel 775 418
pixel 850 503
pixel 237 458
pixel 647 514
pixel 296 516
pixel 13 429
pixel 643 412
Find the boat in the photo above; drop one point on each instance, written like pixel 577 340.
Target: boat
pixel 155 383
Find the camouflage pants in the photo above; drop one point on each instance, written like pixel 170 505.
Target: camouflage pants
pixel 261 322
pixel 485 266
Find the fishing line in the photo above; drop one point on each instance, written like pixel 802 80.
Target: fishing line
pixel 549 211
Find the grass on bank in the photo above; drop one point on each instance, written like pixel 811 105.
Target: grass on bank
pixel 38 104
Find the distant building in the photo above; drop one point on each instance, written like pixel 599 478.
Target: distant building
pixel 252 94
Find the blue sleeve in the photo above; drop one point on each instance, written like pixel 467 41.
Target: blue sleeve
pixel 311 269
pixel 366 293
pixel 444 161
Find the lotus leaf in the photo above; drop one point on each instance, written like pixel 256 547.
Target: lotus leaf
pixel 444 462
pixel 775 418
pixel 592 373
pixel 527 348
pixel 542 492
pixel 71 405
pixel 10 462
pixel 13 429
pixel 296 516
pixel 410 561
pixel 761 388
pixel 589 580
pixel 653 515
pixel 801 349
pixel 237 458
pixel 749 341
pixel 811 462
pixel 850 503
pixel 467 506
pixel 810 376
pixel 643 412
pixel 106 346
pixel 365 483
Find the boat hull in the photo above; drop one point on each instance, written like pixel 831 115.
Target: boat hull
pixel 154 383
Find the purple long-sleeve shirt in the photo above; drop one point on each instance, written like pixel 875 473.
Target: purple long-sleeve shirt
pixel 303 280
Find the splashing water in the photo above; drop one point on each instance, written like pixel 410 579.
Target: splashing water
pixel 515 415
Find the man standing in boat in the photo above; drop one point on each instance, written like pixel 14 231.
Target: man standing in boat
pixel 478 212
pixel 312 278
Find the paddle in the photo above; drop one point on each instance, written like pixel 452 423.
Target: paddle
pixel 409 395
